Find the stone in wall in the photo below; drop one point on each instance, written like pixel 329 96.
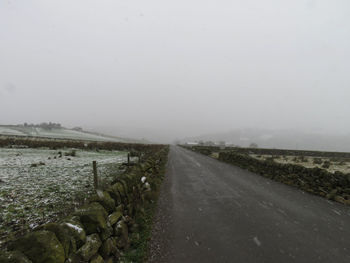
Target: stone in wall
pixel 40 247
pixel 63 235
pixel 75 229
pixel 13 257
pixel 93 217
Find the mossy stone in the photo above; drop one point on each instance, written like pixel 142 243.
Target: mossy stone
pixel 340 199
pixel 121 189
pixel 13 257
pixel 108 247
pixel 90 248
pixel 63 235
pixel 111 260
pixel 40 247
pixel 114 218
pixel 103 198
pixel 93 217
pixel 75 229
pixel 106 232
pixel 97 259
pixel 114 193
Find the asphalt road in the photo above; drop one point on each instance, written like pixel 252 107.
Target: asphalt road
pixel 210 211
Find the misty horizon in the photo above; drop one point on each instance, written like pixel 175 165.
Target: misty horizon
pixel 167 71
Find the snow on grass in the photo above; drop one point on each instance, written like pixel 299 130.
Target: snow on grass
pixel 36 184
pixel 69 134
pixel 308 162
pixel 54 133
pixel 9 131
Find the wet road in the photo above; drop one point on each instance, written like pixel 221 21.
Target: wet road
pixel 210 211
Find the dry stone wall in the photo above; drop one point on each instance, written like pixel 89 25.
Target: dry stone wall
pixel 100 230
pixel 261 151
pixel 207 150
pixel 37 142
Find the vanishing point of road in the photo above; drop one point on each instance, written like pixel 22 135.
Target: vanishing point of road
pixel 210 211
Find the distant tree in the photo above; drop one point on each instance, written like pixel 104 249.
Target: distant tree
pixel 253 145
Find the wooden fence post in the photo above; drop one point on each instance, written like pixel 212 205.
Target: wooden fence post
pixel 94 166
pixel 128 158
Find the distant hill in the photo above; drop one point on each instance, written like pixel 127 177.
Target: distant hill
pixel 281 139
pixel 59 133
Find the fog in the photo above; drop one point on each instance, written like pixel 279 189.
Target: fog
pixel 172 69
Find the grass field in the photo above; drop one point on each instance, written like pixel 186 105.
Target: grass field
pixel 36 185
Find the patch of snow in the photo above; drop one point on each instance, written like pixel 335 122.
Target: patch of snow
pixel 79 229
pixel 99 193
pixel 9 131
pixel 281 211
pixel 257 241
pixel 55 133
pixel 336 212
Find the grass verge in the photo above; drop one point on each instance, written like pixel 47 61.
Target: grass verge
pixel 139 249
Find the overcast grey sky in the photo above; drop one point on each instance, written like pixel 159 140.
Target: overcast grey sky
pixel 184 67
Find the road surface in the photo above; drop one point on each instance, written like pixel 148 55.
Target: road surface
pixel 210 211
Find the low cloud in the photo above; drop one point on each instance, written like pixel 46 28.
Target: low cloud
pixel 9 88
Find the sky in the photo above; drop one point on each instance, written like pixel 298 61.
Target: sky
pixel 178 68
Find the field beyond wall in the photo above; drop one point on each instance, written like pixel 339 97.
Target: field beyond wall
pixel 37 185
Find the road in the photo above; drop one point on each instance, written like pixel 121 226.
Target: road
pixel 210 211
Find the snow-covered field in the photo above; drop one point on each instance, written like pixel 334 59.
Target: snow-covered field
pixel 54 133
pixel 309 162
pixel 38 184
pixel 9 131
